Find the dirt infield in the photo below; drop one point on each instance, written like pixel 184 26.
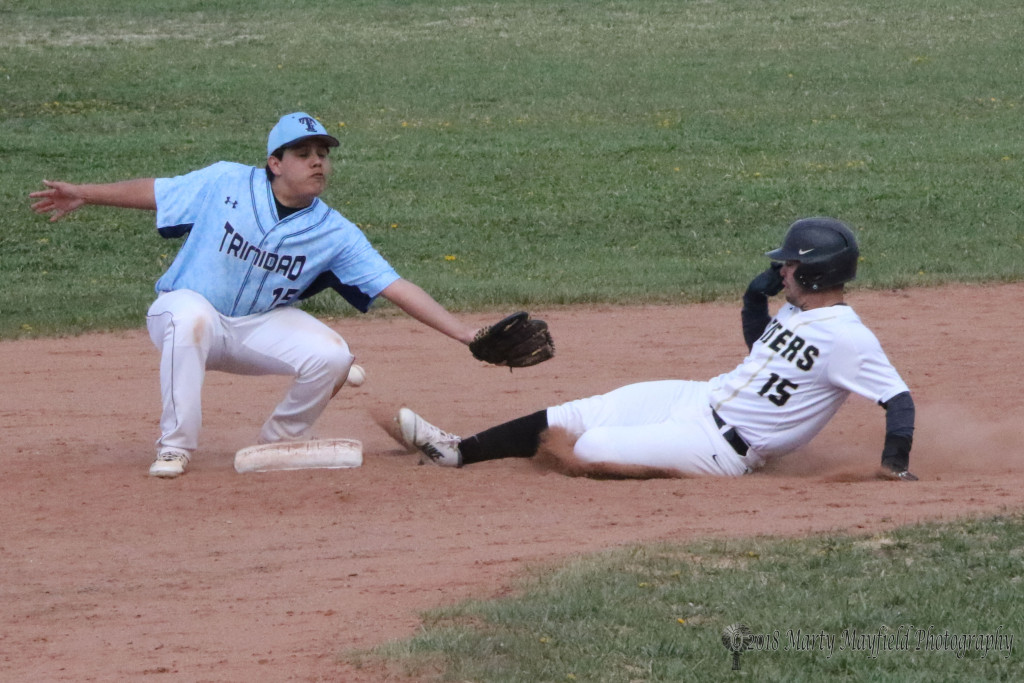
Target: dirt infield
pixel 108 574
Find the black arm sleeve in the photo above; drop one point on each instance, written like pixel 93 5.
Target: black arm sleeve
pixel 754 315
pixel 899 431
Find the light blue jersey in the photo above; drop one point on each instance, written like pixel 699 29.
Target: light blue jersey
pixel 243 259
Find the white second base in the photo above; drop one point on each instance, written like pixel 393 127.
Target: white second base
pixel 319 453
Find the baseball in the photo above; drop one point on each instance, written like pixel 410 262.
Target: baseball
pixel 356 376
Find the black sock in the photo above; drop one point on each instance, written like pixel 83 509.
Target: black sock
pixel 518 438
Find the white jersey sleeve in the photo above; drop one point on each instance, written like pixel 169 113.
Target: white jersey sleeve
pixel 797 376
pixel 859 365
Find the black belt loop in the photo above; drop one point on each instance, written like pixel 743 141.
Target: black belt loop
pixel 730 435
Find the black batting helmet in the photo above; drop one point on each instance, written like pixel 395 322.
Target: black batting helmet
pixel 826 249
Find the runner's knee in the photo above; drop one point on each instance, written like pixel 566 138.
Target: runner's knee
pixel 595 446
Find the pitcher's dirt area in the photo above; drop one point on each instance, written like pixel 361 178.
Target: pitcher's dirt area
pixel 108 574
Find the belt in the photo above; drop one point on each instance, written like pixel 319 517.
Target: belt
pixel 730 434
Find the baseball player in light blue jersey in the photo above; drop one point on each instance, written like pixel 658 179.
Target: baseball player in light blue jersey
pixel 803 364
pixel 258 241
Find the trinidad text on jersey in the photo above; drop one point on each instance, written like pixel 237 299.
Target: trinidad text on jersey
pixel 241 248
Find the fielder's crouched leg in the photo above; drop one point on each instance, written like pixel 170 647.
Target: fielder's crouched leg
pixel 320 361
pixel 193 338
pixel 183 326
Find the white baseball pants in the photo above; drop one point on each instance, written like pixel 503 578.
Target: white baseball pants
pixel 666 424
pixel 193 337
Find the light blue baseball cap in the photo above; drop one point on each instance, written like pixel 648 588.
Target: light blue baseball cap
pixel 294 127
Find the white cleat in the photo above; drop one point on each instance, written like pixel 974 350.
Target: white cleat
pixel 436 445
pixel 169 463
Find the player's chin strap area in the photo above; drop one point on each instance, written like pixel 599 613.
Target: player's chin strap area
pixel 730 435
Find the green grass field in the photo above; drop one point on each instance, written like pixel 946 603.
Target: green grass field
pixel 525 153
pixel 924 603
pixel 534 153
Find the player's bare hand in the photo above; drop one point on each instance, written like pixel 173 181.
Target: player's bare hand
pixel 896 475
pixel 59 198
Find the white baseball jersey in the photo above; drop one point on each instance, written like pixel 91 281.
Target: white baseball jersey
pixel 798 374
pixel 243 259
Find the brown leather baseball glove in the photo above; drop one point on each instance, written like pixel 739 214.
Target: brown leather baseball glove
pixel 517 341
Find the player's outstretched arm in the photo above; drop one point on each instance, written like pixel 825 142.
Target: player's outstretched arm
pixel 412 299
pixel 899 430
pixel 60 198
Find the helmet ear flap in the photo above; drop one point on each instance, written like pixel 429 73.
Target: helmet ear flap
pixel 808 277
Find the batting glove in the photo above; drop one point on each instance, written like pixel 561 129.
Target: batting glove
pixel 768 283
